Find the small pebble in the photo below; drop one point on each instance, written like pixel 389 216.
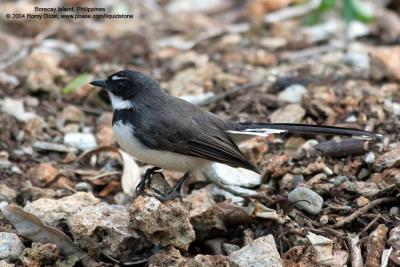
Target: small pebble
pixel 72 114
pixel 395 211
pixel 16 169
pixel 81 141
pixel 323 247
pixel 339 180
pixel 11 246
pixel 293 93
pixel 220 173
pixel 306 150
pixel 287 182
pixel 40 255
pixel 351 119
pixel 327 170
pixel 229 248
pixel 397 181
pixel 370 158
pixel 105 226
pixel 260 252
pixel 31 101
pixel 7 194
pixel 121 198
pixel 357 59
pixel 317 179
pixel 363 174
pixel 362 201
pixel 324 219
pixel 218 193
pixel 4 263
pixel 298 179
pixel 83 187
pixel 306 200
pixel 292 113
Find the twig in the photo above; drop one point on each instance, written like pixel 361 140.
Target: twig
pixel 214 32
pixel 355 250
pixel 94 111
pixel 105 174
pixel 323 230
pixel 237 190
pixel 47 146
pixel 269 80
pixel 248 236
pixel 310 222
pixel 312 52
pixel 375 246
pixel 40 37
pixel 291 12
pixel 370 225
pixel 372 216
pixel 96 151
pixel 342 148
pixel 333 232
pixel 292 232
pixel 233 91
pixel 362 210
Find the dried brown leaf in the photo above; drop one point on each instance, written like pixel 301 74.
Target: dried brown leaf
pixel 131 174
pixel 113 186
pixel 233 214
pixel 31 227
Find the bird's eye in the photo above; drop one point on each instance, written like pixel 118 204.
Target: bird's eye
pixel 117 78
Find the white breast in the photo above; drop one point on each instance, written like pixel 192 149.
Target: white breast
pixel 163 159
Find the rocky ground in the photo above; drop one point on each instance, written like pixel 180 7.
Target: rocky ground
pixel 67 192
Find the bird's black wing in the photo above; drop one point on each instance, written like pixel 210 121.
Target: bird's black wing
pixel 186 129
pixel 219 150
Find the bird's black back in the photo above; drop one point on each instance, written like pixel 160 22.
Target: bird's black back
pixel 175 125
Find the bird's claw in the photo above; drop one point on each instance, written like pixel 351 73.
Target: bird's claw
pixel 174 192
pixel 146 180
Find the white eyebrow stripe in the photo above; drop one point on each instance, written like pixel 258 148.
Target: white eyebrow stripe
pixel 116 77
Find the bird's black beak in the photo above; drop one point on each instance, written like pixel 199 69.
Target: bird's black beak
pixel 99 83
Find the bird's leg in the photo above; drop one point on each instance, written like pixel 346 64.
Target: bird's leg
pixel 146 179
pixel 175 191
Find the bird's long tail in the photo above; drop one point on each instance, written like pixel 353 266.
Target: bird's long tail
pixel 264 129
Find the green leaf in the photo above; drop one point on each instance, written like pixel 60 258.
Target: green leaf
pixel 77 82
pixel 315 16
pixel 350 10
pixel 326 5
pixel 347 11
pixel 361 11
pixel 356 10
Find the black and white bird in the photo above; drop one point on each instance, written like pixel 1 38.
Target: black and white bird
pixel 173 134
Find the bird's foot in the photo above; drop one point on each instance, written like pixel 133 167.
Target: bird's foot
pixel 174 192
pixel 146 180
pixel 169 196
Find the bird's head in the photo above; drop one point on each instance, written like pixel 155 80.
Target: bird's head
pixel 127 85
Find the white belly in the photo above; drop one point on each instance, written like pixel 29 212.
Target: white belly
pixel 163 159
